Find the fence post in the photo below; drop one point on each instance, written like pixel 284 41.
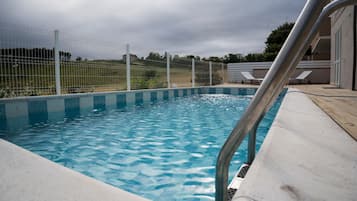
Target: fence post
pixel 57 64
pixel 223 73
pixel 193 72
pixel 168 69
pixel 210 73
pixel 128 81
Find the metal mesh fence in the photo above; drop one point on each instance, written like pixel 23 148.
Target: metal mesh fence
pixel 202 73
pixel 148 74
pixel 181 73
pixel 27 68
pixel 217 73
pixel 92 76
pixel 85 69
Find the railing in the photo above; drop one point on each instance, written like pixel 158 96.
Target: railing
pixel 291 53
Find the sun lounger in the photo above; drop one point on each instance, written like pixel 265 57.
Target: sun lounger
pixel 248 76
pixel 300 78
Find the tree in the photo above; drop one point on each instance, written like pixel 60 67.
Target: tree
pixel 255 57
pixel 175 57
pixel 215 59
pixel 65 56
pixel 233 58
pixel 32 53
pixel 276 39
pixel 154 56
pixel 190 56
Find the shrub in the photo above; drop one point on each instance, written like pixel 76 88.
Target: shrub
pixel 149 80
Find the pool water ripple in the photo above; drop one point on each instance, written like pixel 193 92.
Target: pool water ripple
pixel 164 151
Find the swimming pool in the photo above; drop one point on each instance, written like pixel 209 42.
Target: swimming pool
pixel 162 151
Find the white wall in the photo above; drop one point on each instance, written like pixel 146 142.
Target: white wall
pixel 234 69
pixel 343 20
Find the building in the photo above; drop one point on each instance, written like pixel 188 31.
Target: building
pixel 133 57
pixel 335 42
pixel 343 48
pixel 321 44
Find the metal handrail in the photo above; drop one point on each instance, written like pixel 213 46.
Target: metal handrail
pixel 297 43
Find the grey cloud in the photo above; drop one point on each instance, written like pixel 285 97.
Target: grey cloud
pixel 100 29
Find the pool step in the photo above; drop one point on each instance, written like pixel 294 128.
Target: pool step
pixel 237 180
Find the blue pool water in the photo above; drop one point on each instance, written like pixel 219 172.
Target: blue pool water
pixel 163 151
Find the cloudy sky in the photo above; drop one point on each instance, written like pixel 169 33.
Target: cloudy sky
pixel 101 28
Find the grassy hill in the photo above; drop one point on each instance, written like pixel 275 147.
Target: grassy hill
pixel 21 77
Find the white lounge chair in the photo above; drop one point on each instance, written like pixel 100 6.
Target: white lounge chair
pixel 251 78
pixel 301 77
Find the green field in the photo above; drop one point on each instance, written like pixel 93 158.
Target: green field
pixel 24 78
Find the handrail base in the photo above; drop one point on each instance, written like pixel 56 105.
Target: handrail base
pixel 237 180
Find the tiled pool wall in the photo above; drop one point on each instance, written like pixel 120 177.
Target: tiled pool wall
pixel 19 112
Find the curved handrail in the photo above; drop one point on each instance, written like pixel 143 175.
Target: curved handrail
pixel 298 41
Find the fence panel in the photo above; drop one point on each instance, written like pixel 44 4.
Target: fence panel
pixel 92 76
pixel 202 73
pixel 26 66
pixel 181 73
pixel 148 74
pixel 218 73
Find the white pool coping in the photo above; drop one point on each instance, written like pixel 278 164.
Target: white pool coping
pixel 305 156
pixel 25 176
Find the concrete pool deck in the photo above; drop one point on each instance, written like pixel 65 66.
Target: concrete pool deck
pixel 305 156
pixel 339 104
pixel 26 176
